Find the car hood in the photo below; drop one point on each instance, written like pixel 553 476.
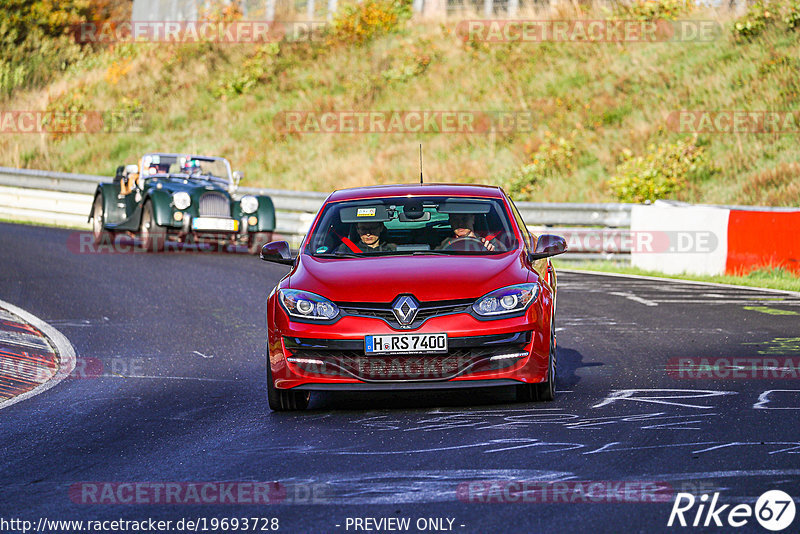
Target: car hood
pixel 428 278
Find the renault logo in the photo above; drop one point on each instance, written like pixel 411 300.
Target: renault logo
pixel 405 308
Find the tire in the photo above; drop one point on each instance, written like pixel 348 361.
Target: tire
pixel 284 400
pixel 546 391
pixel 152 235
pixel 99 233
pixel 257 240
pixel 542 391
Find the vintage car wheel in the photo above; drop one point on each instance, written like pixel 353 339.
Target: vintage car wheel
pixel 543 391
pixel 100 234
pixel 282 400
pixel 152 235
pixel 257 240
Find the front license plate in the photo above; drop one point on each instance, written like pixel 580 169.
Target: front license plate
pixel 405 344
pixel 213 223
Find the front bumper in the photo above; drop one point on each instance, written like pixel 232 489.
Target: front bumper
pixel 326 357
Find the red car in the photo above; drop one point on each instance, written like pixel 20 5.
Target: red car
pixel 413 287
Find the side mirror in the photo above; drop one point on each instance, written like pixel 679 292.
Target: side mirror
pixel 548 245
pixel 278 252
pixel 237 177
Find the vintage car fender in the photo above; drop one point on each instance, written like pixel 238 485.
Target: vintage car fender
pixel 266 214
pixel 162 210
pixel 111 213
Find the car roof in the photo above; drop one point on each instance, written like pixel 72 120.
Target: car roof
pixel 433 189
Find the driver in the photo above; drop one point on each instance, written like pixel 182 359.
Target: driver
pixel 191 167
pixel 369 234
pixel 463 225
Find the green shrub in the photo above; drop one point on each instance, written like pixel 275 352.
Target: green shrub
pixel 411 63
pixel 651 10
pixel 34 40
pixel 792 16
pixel 753 22
pixel 663 172
pixel 359 22
pixel 553 158
pixel 258 67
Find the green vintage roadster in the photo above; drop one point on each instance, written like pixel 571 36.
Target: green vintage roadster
pixel 180 198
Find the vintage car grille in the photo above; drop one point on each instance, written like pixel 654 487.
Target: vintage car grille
pixel 214 205
pixel 426 311
pixel 469 355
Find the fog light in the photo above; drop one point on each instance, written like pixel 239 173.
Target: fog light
pixel 178 216
pixel 252 221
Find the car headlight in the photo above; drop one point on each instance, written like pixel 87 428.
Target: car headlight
pixel 508 299
pixel 181 200
pixel 306 305
pixel 249 204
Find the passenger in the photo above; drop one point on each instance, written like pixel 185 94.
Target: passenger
pixel 463 225
pixel 369 234
pixel 128 183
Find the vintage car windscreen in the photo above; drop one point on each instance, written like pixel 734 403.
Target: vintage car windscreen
pixel 184 164
pixel 412 225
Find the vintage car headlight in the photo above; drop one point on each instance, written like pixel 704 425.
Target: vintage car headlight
pixel 306 305
pixel 181 200
pixel 249 204
pixel 508 299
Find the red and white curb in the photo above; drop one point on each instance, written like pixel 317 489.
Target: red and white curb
pixel 51 340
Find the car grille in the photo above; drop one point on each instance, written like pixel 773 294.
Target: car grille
pixel 385 313
pixel 314 358
pixel 214 205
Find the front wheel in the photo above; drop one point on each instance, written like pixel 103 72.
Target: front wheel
pixel 99 233
pixel 284 400
pixel 543 391
pixel 546 391
pixel 257 240
pixel 152 235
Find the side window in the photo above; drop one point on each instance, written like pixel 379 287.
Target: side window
pixel 530 242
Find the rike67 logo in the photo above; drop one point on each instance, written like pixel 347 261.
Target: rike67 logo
pixel 774 510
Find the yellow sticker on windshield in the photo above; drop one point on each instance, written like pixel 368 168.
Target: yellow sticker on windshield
pixel 365 212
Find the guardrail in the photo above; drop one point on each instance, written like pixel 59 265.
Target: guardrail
pixel 64 199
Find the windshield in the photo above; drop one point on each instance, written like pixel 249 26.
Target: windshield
pixel 199 166
pixel 412 225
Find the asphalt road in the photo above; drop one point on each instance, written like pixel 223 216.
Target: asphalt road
pixel 170 387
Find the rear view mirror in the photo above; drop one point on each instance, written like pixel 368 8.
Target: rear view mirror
pixel 548 245
pixel 278 252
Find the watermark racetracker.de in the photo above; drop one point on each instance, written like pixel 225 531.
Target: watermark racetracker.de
pixel 123 243
pixel 641 241
pixel 588 31
pixel 734 122
pixel 241 492
pixel 734 368
pixel 403 121
pixel 197 31
pixel 70 122
pixel 568 491
pixel 605 240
